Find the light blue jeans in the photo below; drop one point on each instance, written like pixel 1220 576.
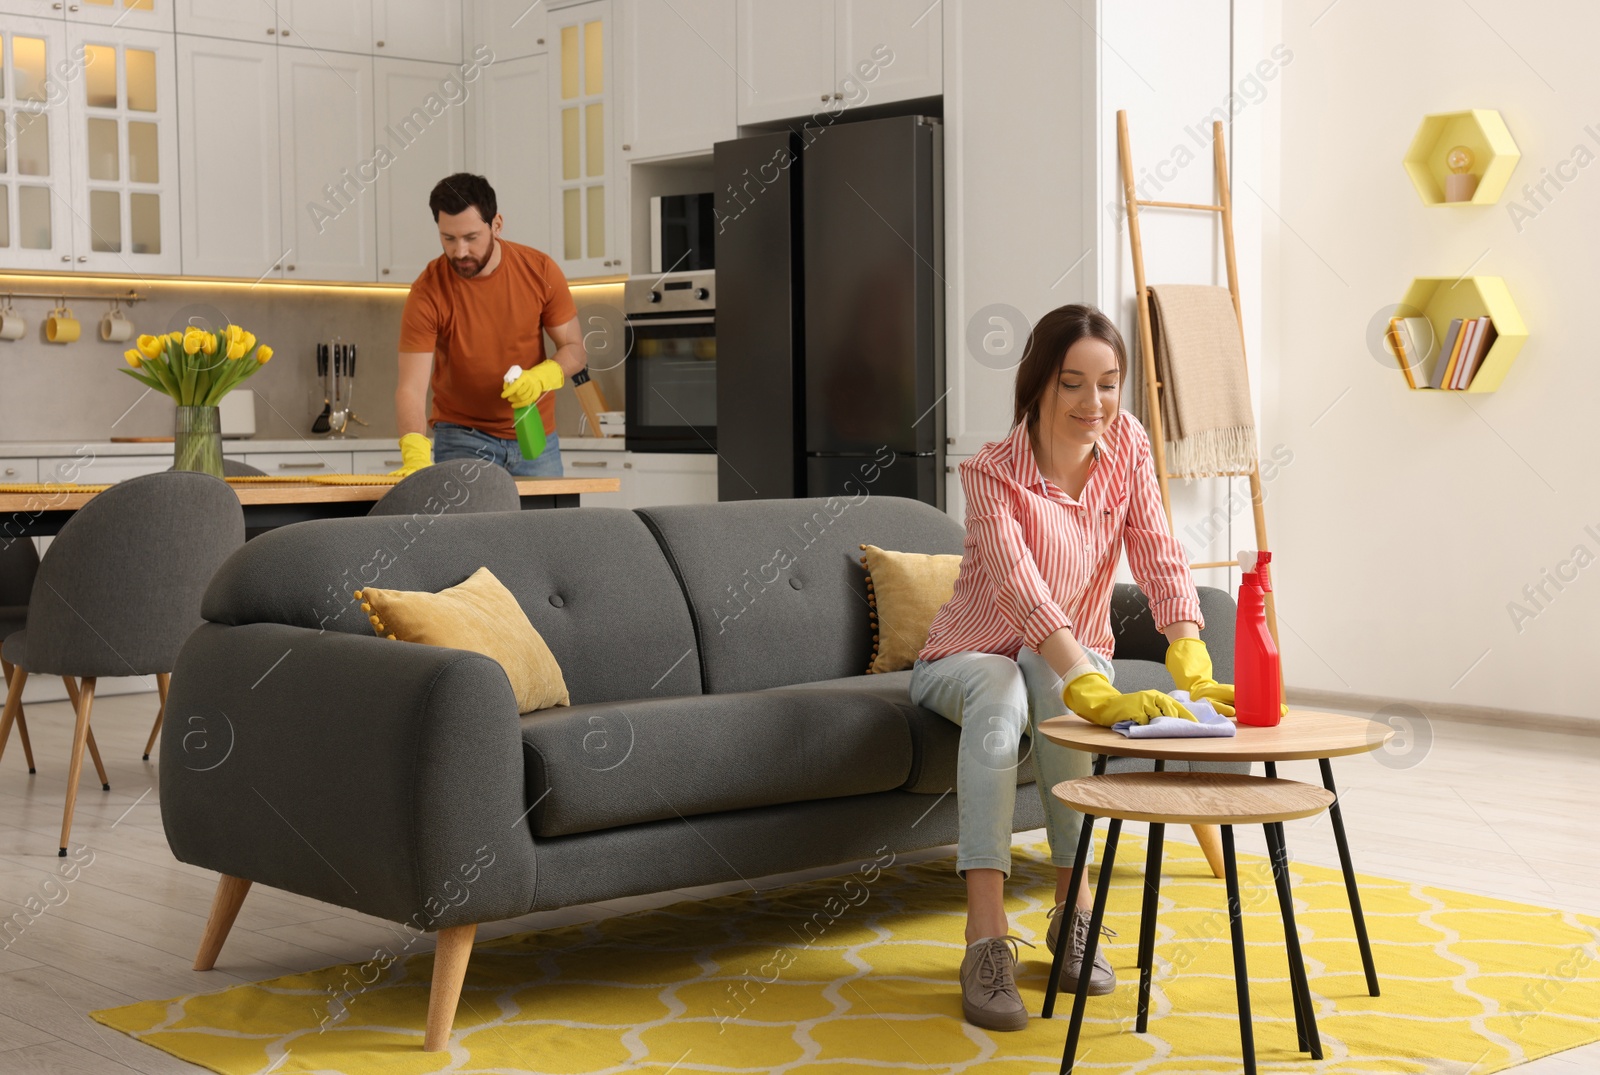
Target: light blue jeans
pixel 451 441
pixel 994 698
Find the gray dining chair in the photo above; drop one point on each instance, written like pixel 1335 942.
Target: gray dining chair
pixel 460 485
pixel 117 593
pixel 19 563
pixel 232 468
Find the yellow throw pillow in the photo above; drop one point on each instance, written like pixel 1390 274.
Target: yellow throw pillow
pixel 905 590
pixel 479 615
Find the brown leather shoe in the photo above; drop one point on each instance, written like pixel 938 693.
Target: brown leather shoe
pixel 989 996
pixel 1102 979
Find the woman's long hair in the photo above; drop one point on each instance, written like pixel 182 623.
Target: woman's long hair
pixel 1047 345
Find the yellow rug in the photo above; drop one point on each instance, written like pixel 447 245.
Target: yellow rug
pixel 858 974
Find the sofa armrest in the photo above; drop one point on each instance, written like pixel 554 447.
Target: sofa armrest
pixel 1137 638
pixel 382 776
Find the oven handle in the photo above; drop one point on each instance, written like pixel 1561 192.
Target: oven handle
pixel 636 324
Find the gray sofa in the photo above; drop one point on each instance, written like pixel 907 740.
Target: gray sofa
pixel 721 726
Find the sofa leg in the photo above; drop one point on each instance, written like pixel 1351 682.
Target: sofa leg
pixel 449 970
pixel 231 892
pixel 1210 841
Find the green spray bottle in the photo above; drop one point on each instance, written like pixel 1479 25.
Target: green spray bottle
pixel 529 423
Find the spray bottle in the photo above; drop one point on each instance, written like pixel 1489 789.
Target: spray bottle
pixel 529 423
pixel 1258 677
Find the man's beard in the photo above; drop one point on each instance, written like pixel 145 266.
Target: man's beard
pixel 470 267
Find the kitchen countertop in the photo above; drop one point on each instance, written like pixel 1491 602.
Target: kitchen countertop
pixel 43 449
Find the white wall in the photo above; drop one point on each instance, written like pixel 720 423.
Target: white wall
pixel 1409 522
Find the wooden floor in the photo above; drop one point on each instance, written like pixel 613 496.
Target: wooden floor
pixel 1485 808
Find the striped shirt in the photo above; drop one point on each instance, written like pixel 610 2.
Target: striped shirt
pixel 1035 560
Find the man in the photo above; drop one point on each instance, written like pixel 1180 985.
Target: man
pixel 475 312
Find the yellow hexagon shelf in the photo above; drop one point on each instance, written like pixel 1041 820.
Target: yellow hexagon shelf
pixel 1442 299
pixel 1482 131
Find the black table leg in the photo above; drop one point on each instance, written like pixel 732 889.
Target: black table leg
pixel 1079 865
pixel 1350 880
pixel 1305 1018
pixel 1100 764
pixel 1069 1055
pixel 1241 973
pixel 1147 921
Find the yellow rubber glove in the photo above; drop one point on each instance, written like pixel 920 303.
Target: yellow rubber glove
pixel 1093 698
pixel 545 377
pixel 1190 665
pixel 416 452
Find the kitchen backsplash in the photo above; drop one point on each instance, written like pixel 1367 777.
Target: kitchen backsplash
pixel 73 392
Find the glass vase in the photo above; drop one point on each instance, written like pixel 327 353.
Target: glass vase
pixel 197 440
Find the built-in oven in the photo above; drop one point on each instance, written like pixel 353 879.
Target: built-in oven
pixel 670 375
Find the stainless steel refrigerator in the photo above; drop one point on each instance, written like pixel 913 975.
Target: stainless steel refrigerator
pixel 830 317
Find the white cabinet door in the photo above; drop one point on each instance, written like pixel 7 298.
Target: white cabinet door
pixel 19 470
pixel 134 14
pixel 888 50
pixel 289 464
pixel 124 119
pixel 955 498
pixel 425 133
pixel 587 192
pixel 230 202
pixel 512 28
pixel 588 464
pixel 36 172
pixel 676 85
pixel 508 141
pixel 339 25
pixel 373 462
pixel 671 478
pixel 417 29
pixel 242 20
pixel 102 469
pixel 44 9
pixel 328 165
pixel 785 58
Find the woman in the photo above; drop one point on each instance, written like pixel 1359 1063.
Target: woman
pixel 1027 634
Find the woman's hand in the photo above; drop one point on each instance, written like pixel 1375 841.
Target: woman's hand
pixel 1093 698
pixel 1190 665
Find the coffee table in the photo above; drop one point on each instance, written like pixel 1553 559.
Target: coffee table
pixel 1302 735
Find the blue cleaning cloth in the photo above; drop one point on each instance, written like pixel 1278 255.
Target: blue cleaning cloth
pixel 1208 723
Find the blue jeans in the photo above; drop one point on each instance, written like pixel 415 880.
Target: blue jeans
pixel 451 441
pixel 994 699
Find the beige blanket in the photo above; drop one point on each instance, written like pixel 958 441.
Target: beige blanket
pixel 1206 417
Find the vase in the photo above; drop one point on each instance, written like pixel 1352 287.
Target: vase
pixel 197 440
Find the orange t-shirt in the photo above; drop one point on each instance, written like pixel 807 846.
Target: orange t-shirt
pixel 478 328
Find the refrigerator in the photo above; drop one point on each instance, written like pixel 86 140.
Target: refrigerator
pixel 830 317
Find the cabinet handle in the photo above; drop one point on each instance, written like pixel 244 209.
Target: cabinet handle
pixel 66 257
pixel 11 472
pixel 284 33
pixel 626 147
pixel 386 272
pixel 302 466
pixel 825 96
pixel 83 257
pixel 627 466
pixel 55 7
pixel 394 462
pixel 270 31
pixel 837 96
pixel 575 462
pixel 289 267
pixel 540 41
pixel 380 44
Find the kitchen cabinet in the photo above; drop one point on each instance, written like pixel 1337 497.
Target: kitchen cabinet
pixel 671 478
pixel 809 56
pixel 230 203
pixel 327 25
pixel 375 462
pixel 418 30
pixel 955 498
pixel 676 85
pixel 134 14
pixel 312 461
pixel 328 165
pixel 599 464
pixel 91 469
pixel 588 212
pixel 424 132
pixel 242 20
pixel 508 140
pixel 513 28
pixel 19 470
pixel 43 9
pixel 122 114
pixel 35 224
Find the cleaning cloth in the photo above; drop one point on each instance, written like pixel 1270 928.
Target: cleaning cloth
pixel 1208 723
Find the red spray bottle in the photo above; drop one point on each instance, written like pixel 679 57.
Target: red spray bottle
pixel 1258 677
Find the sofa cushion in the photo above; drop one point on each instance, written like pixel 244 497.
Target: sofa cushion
pixel 592 581
pixel 776 587
pixel 620 763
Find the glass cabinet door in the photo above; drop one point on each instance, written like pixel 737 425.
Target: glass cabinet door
pixel 132 14
pixel 580 134
pixel 125 174
pixel 35 183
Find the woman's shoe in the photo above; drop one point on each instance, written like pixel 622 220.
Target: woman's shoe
pixel 989 996
pixel 1102 979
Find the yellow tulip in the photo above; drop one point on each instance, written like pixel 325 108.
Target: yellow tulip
pixel 193 341
pixel 236 349
pixel 208 342
pixel 175 336
pixel 133 358
pixel 249 340
pixel 150 346
pixel 264 354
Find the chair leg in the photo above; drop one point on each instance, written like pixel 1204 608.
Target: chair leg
pixel 22 720
pixel 1080 999
pixel 1147 922
pixel 449 970
pixel 162 681
pixel 225 904
pixel 1079 865
pixel 1305 1016
pixel 1350 880
pixel 94 748
pixel 80 739
pixel 15 678
pixel 1241 973
pixel 1210 842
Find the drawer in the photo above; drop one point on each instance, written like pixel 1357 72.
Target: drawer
pixel 375 462
pixel 598 464
pixel 19 470
pixel 288 464
pixel 89 469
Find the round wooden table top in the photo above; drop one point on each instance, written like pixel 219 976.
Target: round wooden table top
pixel 1193 798
pixel 1304 733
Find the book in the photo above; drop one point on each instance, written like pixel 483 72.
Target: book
pixel 1470 328
pixel 1447 350
pixel 1419 340
pixel 1486 338
pixel 1397 348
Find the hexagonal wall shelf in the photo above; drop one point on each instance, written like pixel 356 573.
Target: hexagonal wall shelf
pixel 1441 299
pixel 1481 130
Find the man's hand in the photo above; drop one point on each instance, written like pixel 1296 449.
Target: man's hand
pixel 1093 698
pixel 545 377
pixel 416 452
pixel 1190 664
